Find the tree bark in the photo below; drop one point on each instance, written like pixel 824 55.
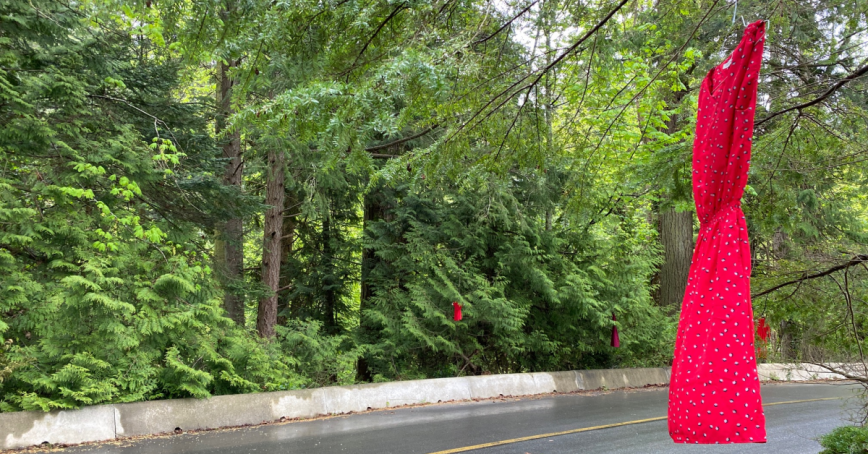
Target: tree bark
pixel 271 242
pixel 229 242
pixel 676 235
pixel 287 244
pixel 780 249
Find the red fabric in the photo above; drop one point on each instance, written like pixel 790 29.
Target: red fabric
pixel 714 393
pixel 456 311
pixel 616 341
pixel 762 330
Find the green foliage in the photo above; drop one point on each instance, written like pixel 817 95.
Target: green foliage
pixel 319 359
pixel 108 300
pixel 807 209
pixel 6 367
pixel 432 156
pixel 535 298
pixel 845 440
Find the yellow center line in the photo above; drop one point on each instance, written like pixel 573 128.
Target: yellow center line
pixel 801 401
pixel 587 429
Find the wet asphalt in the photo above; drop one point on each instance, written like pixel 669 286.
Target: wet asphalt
pixel 792 428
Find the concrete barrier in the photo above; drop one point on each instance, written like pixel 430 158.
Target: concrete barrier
pixel 624 378
pixel 28 428
pixel 487 386
pixel 354 398
pixel 106 422
pixel 804 372
pixel 161 416
pixel 561 382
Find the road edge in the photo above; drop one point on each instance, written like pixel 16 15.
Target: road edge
pixel 117 421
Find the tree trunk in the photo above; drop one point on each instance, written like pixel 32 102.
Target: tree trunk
pixel 271 242
pixel 229 242
pixel 676 235
pixel 780 248
pixel 786 340
pixel 287 243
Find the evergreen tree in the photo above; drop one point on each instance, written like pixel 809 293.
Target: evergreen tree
pixel 343 171
pixel 107 297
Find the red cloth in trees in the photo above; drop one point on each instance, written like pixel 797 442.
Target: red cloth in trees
pixel 616 340
pixel 456 311
pixel 714 393
pixel 763 330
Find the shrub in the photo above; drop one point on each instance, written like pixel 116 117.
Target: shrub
pixel 5 365
pixel 845 440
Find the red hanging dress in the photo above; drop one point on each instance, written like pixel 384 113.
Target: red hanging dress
pixel 714 392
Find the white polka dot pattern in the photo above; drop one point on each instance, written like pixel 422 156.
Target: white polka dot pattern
pixel 714 393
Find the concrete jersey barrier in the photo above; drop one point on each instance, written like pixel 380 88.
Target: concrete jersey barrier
pixel 107 422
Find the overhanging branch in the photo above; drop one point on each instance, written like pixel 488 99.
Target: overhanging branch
pixel 400 141
pixel 856 260
pixel 851 77
pixel 509 93
pixel 508 23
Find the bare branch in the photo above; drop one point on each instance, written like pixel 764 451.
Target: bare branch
pixel 851 77
pixel 845 374
pixel 400 141
pixel 544 70
pixel 377 31
pixel 143 112
pixel 508 23
pixel 856 260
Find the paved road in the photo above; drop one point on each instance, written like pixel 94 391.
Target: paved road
pixel 792 428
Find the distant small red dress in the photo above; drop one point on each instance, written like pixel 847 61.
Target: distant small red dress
pixel 714 392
